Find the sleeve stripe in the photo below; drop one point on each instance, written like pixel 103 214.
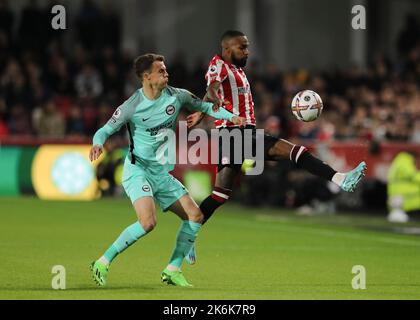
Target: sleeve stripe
pixel 133 159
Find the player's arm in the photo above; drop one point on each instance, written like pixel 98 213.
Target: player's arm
pixel 195 118
pixel 206 107
pixel 99 140
pixel 215 75
pixel 119 118
pixel 211 96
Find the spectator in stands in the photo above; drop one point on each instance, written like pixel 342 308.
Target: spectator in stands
pixel 378 102
pixel 19 122
pixel 88 82
pixel 48 122
pixel 58 75
pixel 75 124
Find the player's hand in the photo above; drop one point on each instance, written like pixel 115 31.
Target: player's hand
pixel 194 119
pixel 95 152
pixel 239 121
pixel 219 103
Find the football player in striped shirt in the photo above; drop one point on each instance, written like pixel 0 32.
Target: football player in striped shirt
pixel 228 87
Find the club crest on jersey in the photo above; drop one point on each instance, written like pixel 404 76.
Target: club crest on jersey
pixel 170 110
pixel 146 188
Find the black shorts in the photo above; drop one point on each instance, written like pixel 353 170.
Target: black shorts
pixel 227 155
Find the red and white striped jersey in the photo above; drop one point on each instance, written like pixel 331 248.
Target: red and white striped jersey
pixel 235 88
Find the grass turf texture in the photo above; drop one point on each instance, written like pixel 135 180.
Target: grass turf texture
pixel 243 253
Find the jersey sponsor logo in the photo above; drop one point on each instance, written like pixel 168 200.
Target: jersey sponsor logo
pixel 146 188
pixel 155 130
pixel 243 90
pixel 145 119
pixel 113 120
pixel 170 110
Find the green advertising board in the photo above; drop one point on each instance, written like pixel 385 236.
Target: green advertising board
pixel 9 164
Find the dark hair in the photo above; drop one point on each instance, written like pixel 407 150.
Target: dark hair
pixel 229 34
pixel 144 62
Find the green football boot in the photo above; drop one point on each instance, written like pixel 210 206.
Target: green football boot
pixel 99 272
pixel 175 278
pixel 353 177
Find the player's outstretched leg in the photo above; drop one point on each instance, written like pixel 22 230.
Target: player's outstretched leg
pixel 100 267
pixel 303 159
pixel 146 212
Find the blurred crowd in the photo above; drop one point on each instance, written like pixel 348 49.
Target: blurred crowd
pixel 49 91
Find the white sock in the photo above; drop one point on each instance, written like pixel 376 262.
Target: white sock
pixel 172 268
pixel 104 260
pixel 338 178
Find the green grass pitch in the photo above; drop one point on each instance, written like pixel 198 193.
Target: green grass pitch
pixel 243 253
